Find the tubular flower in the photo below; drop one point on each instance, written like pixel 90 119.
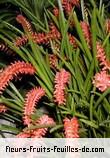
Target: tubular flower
pixel 43 120
pixel 32 98
pixel 102 81
pixel 71 128
pixel 3 108
pixel 20 41
pixel 86 32
pixel 11 71
pixel 61 79
pixel 23 21
pixel 6 49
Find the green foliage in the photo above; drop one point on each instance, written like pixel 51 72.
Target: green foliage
pixel 91 107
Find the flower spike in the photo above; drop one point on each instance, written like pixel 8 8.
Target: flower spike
pixel 11 71
pixel 71 128
pixel 61 79
pixel 32 98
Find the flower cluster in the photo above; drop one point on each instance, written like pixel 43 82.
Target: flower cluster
pixel 44 120
pixel 26 25
pixel 42 38
pixel 61 79
pixel 11 71
pixel 86 32
pixel 32 98
pixel 102 79
pixel 39 132
pixel 71 128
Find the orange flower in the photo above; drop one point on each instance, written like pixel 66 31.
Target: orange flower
pixel 102 81
pixel 86 32
pixel 20 41
pixel 11 71
pixel 23 135
pixel 43 120
pixel 32 98
pixel 61 79
pixel 101 56
pixel 71 128
pixel 23 21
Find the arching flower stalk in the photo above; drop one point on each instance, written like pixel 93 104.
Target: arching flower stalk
pixel 32 98
pixel 39 38
pixel 11 71
pixel 61 79
pixel 71 128
pixel 3 108
pixel 102 81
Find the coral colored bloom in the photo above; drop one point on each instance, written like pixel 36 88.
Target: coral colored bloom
pixel 11 71
pixel 3 108
pixel 101 56
pixel 86 32
pixel 71 128
pixel 40 38
pixel 61 79
pixel 102 81
pixel 69 4
pixel 23 135
pixel 23 21
pixel 43 120
pixel 20 41
pixel 32 98
pixel 100 53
